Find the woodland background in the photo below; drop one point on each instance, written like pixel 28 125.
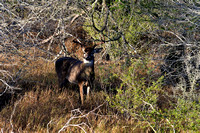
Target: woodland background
pixel 147 77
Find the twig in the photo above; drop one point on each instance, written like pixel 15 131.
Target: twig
pixel 74 114
pixel 8 87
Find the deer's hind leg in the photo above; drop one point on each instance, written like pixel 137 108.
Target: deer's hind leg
pixel 88 89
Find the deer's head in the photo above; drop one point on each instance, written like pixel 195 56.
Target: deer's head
pixel 88 52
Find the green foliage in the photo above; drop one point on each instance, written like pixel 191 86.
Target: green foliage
pixel 124 19
pixel 185 115
pixel 138 97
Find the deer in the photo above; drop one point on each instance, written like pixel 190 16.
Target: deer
pixel 75 71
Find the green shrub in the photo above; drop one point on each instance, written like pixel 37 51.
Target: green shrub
pixel 185 116
pixel 138 98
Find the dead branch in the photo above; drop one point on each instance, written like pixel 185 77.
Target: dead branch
pixel 77 114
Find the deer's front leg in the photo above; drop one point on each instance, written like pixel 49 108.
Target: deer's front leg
pixel 81 91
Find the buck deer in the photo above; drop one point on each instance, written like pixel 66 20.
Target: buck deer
pixel 78 72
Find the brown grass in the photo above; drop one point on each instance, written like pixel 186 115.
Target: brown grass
pixel 42 103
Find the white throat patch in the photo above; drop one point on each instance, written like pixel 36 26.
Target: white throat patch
pixel 88 62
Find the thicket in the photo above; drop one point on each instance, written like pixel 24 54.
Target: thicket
pixel 159 30
pixel 151 82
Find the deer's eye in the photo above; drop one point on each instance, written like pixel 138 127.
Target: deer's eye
pixel 87 49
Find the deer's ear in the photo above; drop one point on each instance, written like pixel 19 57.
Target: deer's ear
pixel 97 50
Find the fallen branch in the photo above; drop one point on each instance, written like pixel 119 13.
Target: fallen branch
pixel 74 114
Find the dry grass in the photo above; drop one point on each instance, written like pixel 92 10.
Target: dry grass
pixel 41 106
